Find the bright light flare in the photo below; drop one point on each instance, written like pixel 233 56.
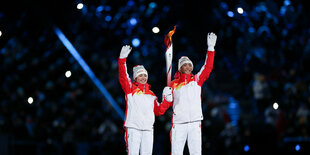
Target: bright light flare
pixel 275 105
pixel 155 29
pixel 80 6
pixel 30 100
pixel 68 74
pixel 240 10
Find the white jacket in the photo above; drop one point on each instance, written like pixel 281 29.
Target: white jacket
pixel 187 93
pixel 141 102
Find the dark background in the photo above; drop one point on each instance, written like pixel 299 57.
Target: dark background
pixel 262 57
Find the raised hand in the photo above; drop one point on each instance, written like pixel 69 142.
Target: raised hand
pixel 125 51
pixel 211 41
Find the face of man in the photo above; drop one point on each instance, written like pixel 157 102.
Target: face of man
pixel 186 68
pixel 142 78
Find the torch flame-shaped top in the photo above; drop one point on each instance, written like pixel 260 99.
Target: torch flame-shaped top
pixel 168 38
pixel 171 33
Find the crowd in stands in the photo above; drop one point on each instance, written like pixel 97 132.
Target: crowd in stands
pixel 262 60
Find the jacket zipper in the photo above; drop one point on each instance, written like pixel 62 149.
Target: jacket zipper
pixel 190 119
pixel 185 79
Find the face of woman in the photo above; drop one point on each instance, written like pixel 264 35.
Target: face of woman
pixel 186 68
pixel 142 78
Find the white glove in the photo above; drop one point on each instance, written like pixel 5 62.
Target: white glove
pixel 167 94
pixel 211 41
pixel 125 51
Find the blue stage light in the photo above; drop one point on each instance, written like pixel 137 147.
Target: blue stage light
pixel 130 3
pixel 251 29
pixel 88 71
pixel 233 109
pixel 100 8
pixel 133 21
pixel 297 147
pixel 107 8
pixel 135 42
pixel 230 14
pixel 152 5
pixel 224 6
pixel 108 18
pixel 287 2
pixel 246 148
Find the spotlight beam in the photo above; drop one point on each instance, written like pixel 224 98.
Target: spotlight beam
pixel 88 71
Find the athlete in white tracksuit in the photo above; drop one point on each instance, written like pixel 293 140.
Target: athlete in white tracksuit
pixel 187 111
pixel 141 105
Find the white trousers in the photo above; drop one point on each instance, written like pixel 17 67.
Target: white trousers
pixel 190 132
pixel 139 141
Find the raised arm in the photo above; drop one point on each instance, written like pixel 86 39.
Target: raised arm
pixel 206 69
pixel 123 76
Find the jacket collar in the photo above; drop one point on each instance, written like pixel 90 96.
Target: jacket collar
pixel 183 77
pixel 143 87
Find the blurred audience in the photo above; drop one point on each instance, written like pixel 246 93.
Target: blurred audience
pixel 262 57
